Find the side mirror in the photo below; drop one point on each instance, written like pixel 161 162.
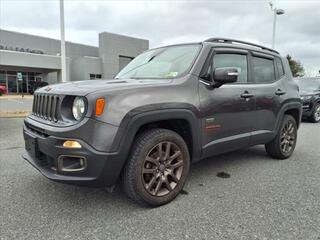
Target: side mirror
pixel 224 75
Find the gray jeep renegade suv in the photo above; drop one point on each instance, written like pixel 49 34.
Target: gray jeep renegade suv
pixel 169 107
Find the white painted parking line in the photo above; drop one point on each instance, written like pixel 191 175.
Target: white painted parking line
pixel 16 101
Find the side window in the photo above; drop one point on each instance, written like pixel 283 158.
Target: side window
pixel 263 70
pixel 233 60
pixel 279 67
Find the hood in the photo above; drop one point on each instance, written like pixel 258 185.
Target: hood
pixel 307 92
pixel 82 88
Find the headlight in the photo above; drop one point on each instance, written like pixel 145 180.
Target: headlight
pixel 78 108
pixel 306 97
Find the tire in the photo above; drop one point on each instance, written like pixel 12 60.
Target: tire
pixel 283 145
pixel 315 116
pixel 149 179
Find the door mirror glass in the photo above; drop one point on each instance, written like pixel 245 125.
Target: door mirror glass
pixel 225 75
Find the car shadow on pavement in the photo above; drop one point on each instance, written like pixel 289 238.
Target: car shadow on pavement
pixel 74 197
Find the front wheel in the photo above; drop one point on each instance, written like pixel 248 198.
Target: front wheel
pixel 157 168
pixel 315 116
pixel 283 145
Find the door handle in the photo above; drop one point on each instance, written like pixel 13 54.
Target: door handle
pixel 246 94
pixel 279 92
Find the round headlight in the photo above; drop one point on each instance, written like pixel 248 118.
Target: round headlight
pixel 308 97
pixel 78 108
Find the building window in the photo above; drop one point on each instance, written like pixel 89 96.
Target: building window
pixel 95 76
pixel 3 79
pixel 28 84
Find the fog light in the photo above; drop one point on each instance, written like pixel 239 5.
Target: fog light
pixel 71 163
pixel 71 144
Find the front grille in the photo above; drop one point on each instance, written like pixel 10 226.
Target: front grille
pixel 46 106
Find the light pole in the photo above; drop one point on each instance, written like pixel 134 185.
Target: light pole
pixel 63 45
pixel 276 12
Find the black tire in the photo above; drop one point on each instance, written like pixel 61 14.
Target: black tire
pixel 282 146
pixel 315 116
pixel 135 182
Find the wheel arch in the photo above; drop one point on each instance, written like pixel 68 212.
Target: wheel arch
pixel 133 124
pixel 294 109
pixel 182 121
pixel 317 101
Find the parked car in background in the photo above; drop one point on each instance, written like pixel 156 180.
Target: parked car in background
pixel 36 85
pixel 167 108
pixel 3 89
pixel 310 96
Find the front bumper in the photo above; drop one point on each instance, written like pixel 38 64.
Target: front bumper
pixel 102 169
pixel 307 107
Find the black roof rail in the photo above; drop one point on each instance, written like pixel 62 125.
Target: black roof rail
pixel 228 40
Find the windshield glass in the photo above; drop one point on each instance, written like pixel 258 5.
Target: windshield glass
pixel 166 62
pixel 309 84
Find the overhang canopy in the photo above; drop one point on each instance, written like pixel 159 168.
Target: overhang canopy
pixel 29 60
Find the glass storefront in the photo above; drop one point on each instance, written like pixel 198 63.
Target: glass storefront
pixel 20 82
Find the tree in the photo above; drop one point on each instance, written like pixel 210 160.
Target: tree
pixel 296 67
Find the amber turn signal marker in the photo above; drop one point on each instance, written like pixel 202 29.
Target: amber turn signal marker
pixel 71 144
pixel 99 106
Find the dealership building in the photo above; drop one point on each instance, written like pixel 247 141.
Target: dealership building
pixel 26 59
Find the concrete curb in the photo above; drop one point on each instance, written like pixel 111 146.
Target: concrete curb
pixel 15 97
pixel 20 114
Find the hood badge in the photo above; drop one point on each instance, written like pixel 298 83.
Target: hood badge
pixel 47 89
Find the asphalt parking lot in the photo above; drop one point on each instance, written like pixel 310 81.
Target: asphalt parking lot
pixel 262 199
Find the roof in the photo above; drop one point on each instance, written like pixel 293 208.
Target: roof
pixel 241 44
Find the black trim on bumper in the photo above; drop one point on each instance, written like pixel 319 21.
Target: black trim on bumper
pixel 307 109
pixel 102 169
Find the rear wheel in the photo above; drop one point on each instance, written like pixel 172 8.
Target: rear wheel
pixel 157 168
pixel 283 145
pixel 315 116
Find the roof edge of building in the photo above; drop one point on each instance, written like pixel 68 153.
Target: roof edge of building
pixel 55 39
pixel 122 35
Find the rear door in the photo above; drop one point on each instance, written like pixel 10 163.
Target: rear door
pixel 227 111
pixel 267 76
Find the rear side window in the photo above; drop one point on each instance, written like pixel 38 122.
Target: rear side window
pixel 263 70
pixel 279 67
pixel 232 60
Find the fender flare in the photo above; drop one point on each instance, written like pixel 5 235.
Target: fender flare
pixel 132 123
pixel 286 107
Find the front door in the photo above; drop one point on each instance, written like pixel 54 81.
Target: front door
pixel 227 111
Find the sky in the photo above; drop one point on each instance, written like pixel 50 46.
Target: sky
pixel 165 22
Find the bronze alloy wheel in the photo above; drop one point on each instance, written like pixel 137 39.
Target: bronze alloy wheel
pixel 162 169
pixel 284 143
pixel 157 167
pixel 288 137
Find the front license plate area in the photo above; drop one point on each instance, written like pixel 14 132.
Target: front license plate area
pixel 31 145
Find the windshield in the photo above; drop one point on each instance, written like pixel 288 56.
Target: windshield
pixel 309 84
pixel 166 62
